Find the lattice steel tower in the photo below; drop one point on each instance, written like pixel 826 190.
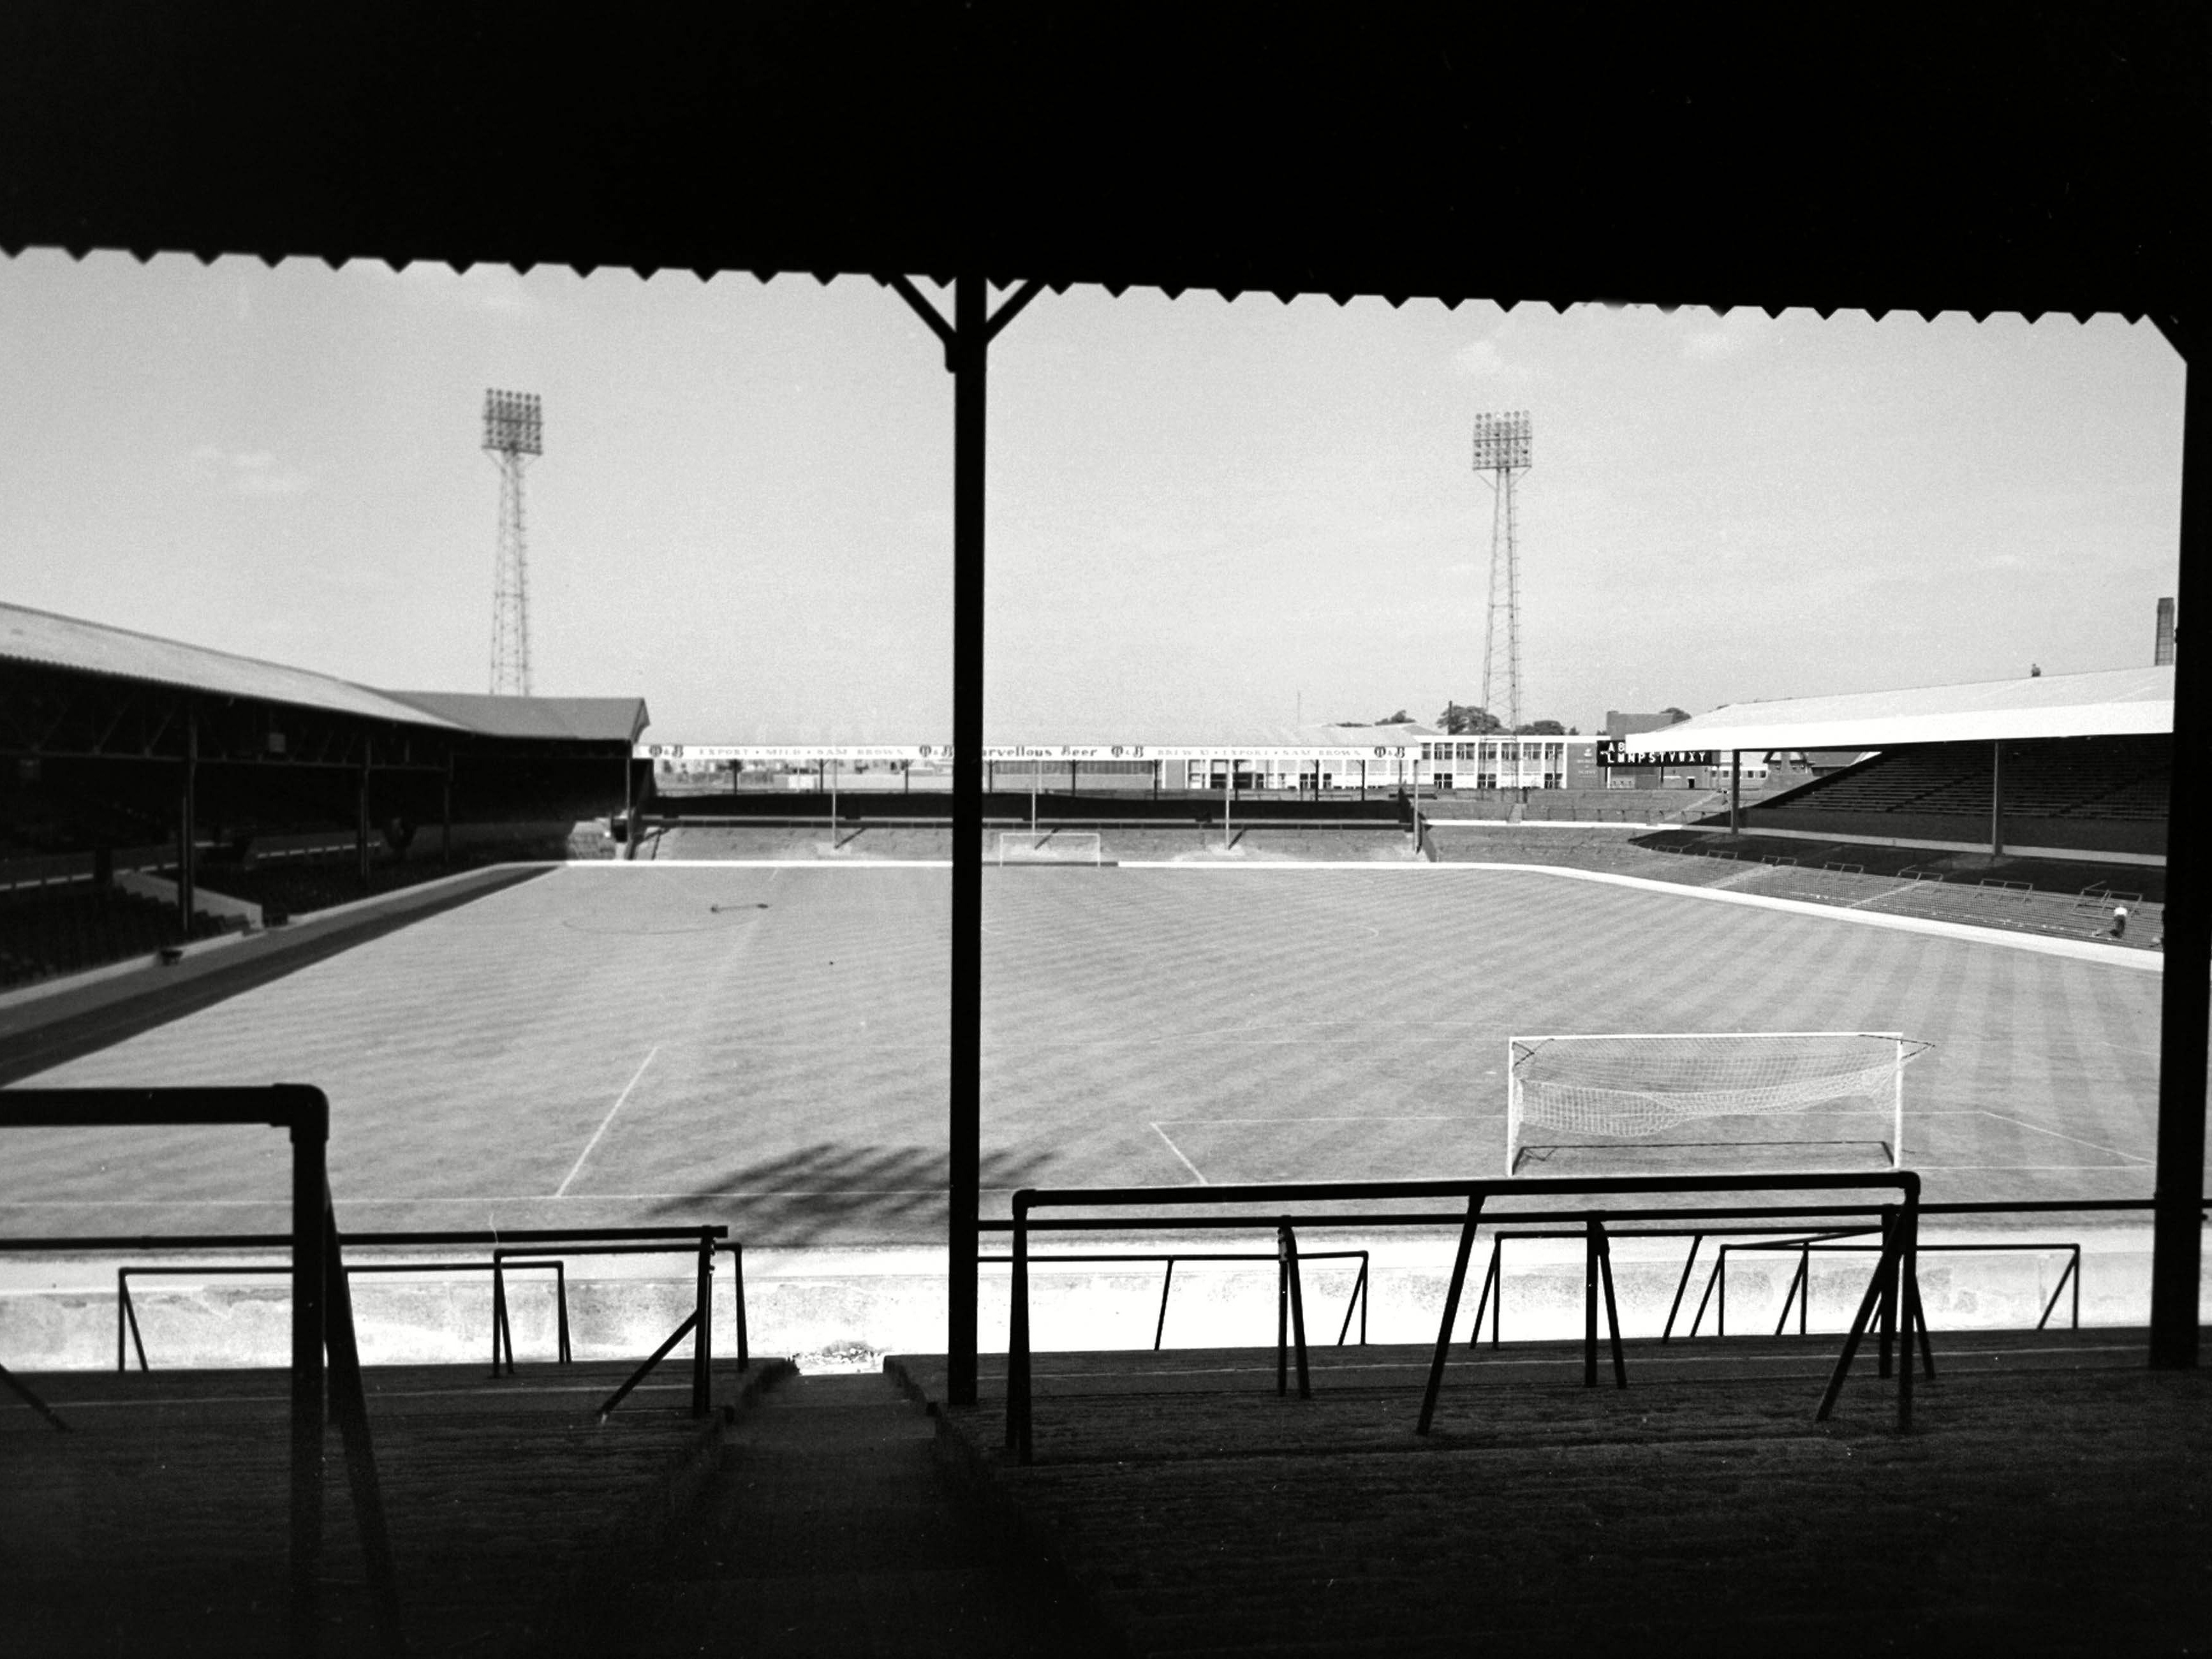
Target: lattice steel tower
pixel 1501 453
pixel 513 427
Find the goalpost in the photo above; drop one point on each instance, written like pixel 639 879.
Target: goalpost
pixel 1708 1100
pixel 1051 846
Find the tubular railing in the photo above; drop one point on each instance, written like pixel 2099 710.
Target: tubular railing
pixel 1894 1287
pixel 517 1249
pixel 1491 1300
pixel 698 1324
pixel 1799 1293
pixel 322 1315
pixel 1356 1303
pixel 126 1311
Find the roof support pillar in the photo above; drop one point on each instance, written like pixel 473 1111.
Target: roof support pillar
pixel 1735 792
pixel 967 340
pixel 1996 801
pixel 970 363
pixel 2177 1248
pixel 187 828
pixel 361 819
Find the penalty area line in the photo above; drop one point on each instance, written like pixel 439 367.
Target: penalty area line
pixel 1179 1157
pixel 2037 1128
pixel 576 1168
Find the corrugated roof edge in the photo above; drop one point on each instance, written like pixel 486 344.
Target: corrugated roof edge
pixel 2111 702
pixel 53 641
pixel 590 720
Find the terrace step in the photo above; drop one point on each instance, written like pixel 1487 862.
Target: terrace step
pixel 2049 1499
pixel 828 1528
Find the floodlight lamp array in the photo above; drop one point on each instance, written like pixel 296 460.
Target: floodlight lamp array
pixel 1502 440
pixel 514 422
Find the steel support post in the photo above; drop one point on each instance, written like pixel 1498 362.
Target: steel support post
pixel 1282 1311
pixel 2178 1221
pixel 702 1333
pixel 1735 792
pixel 310 1139
pixel 1611 1308
pixel 969 353
pixel 967 341
pixel 1298 1308
pixel 1458 1283
pixel 1590 1304
pixel 1019 1429
pixel 349 1405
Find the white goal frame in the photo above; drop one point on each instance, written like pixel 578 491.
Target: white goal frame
pixel 1029 845
pixel 1903 1050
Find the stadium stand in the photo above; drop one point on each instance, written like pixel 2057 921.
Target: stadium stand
pixel 48 932
pixel 227 777
pixel 2069 766
pixel 2092 778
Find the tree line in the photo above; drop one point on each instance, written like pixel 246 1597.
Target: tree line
pixel 1463 719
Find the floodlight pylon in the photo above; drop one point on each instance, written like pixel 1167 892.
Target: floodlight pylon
pixel 513 428
pixel 1503 446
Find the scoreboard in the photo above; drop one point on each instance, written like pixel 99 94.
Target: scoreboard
pixel 1609 754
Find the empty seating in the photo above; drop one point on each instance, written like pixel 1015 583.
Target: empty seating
pixel 2124 778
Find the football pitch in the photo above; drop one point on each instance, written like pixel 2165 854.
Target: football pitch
pixel 626 1044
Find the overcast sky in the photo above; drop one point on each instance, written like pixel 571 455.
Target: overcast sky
pixel 1205 517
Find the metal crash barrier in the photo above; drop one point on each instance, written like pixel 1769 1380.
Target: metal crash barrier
pixel 1356 1303
pixel 322 1315
pixel 1892 1293
pixel 520 1250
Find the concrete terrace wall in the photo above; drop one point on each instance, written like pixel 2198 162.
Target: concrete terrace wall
pixel 60 1314
pixel 1003 806
pixel 2085 834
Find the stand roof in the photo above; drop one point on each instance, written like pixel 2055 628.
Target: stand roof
pixel 2116 703
pixel 2030 158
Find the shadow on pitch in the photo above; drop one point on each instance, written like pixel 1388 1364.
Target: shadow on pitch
pixel 845 1192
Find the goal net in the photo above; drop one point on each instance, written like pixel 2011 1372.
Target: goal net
pixel 1051 846
pixel 1737 1100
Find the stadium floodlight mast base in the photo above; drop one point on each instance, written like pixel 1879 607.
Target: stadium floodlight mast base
pixel 515 426
pixel 1628 1089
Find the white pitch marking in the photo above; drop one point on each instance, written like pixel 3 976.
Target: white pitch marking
pixel 2116 956
pixel 1179 1158
pixel 2110 1151
pixel 577 1169
pixel 1416 1117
